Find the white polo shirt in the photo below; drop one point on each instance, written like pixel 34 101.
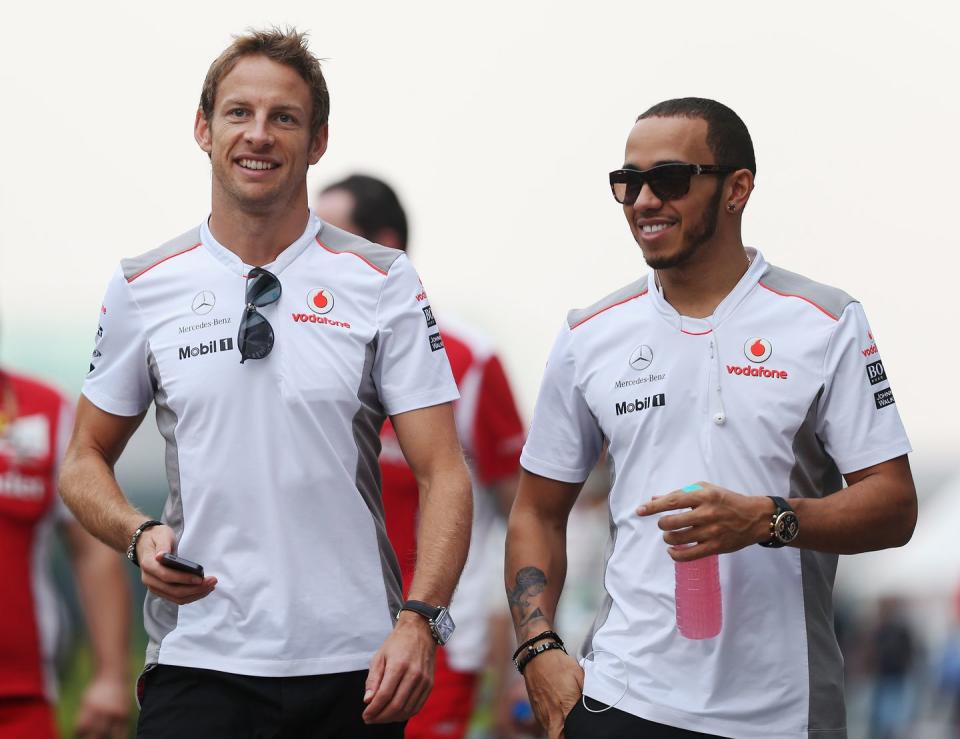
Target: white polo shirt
pixel 272 464
pixel 779 392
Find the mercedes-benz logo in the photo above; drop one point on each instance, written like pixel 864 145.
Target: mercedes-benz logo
pixel 641 358
pixel 203 302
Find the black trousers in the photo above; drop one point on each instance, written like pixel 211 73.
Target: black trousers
pixel 616 724
pixel 186 702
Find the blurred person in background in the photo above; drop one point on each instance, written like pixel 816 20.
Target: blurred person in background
pixel 35 424
pixel 491 434
pixel 948 668
pixel 297 626
pixel 890 661
pixel 736 397
pixel 588 532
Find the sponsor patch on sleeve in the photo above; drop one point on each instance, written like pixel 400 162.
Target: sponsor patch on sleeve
pixel 436 342
pixel 883 398
pixel 428 315
pixel 875 372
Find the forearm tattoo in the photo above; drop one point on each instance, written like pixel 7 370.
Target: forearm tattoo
pixel 530 582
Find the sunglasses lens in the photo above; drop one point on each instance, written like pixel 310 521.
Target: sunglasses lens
pixel 670 182
pixel 263 288
pixel 255 338
pixel 626 186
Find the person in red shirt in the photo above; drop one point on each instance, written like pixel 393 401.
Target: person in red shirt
pixel 492 436
pixel 35 422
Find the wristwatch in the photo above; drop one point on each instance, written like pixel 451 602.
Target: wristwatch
pixel 784 524
pixel 439 618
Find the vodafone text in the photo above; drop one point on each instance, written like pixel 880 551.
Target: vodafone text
pixel 322 320
pixel 870 351
pixel 748 371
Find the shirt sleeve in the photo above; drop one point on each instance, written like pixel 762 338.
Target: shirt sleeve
pixel 564 441
pixel 498 430
pixel 858 420
pixel 119 381
pixel 410 369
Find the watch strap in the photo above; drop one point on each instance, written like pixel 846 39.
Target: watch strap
pixel 780 506
pixel 431 613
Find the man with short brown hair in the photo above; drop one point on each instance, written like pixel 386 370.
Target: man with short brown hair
pixel 274 346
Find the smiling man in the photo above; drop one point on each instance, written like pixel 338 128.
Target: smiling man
pixel 735 397
pixel 274 346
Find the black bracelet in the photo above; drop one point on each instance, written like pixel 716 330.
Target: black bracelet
pixel 542 635
pixel 132 549
pixel 533 652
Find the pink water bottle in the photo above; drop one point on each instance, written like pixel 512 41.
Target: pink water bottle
pixel 699 604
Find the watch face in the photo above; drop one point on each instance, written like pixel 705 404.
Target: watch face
pixel 788 526
pixel 444 626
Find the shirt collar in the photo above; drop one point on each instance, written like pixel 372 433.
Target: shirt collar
pixel 727 306
pixel 286 257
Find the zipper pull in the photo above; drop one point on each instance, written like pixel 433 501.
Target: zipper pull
pixel 711 348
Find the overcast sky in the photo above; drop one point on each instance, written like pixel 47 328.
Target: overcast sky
pixel 498 122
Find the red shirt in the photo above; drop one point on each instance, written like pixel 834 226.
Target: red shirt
pixel 31 444
pixel 490 431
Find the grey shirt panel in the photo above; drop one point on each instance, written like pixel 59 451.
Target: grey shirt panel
pixel 135 266
pixel 634 289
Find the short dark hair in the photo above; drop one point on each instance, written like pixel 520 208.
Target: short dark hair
pixel 288 47
pixel 727 135
pixel 375 206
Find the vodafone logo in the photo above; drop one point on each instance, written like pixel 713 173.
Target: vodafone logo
pixel 320 301
pixel 757 350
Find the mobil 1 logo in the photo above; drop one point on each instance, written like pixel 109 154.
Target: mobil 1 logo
pixel 641 404
pixel 209 347
pixel 876 373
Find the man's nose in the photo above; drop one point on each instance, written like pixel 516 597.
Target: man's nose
pixel 647 200
pixel 258 132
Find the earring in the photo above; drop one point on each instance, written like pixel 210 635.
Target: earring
pixel 731 207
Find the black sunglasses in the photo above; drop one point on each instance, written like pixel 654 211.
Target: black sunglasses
pixel 255 337
pixel 668 181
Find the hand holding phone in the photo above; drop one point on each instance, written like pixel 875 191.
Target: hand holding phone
pixel 179 563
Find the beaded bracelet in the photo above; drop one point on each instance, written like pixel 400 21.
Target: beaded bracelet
pixel 542 635
pixel 533 652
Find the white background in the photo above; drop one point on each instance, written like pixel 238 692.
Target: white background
pixel 498 122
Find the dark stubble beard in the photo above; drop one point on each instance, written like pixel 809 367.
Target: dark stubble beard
pixel 699 235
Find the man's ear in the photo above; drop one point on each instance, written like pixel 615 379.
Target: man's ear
pixel 318 145
pixel 201 132
pixel 739 187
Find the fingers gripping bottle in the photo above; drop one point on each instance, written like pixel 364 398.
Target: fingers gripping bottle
pixel 699 603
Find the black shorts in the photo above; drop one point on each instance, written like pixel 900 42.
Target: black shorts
pixel 615 724
pixel 187 702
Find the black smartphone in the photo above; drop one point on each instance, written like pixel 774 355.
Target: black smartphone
pixel 179 563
